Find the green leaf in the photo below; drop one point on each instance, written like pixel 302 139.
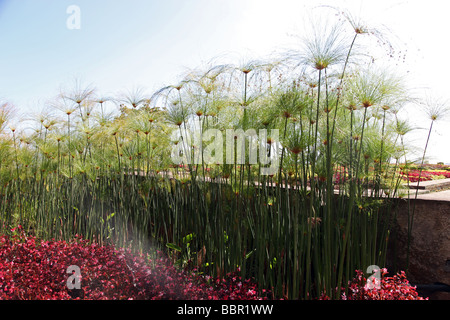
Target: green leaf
pixel 249 254
pixel 188 238
pixel 173 247
pixel 273 263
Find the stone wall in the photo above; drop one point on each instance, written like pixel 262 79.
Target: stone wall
pixel 429 260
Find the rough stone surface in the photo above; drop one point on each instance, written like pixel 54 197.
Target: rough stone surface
pixel 430 242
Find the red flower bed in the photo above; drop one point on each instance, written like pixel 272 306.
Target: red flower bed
pixel 413 175
pixel 396 287
pixel 34 270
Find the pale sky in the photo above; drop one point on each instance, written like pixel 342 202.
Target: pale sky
pixel 127 43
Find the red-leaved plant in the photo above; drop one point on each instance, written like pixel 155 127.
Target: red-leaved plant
pixel 33 269
pixel 396 287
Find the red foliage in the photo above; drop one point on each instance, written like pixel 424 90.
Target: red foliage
pixel 413 175
pixel 396 287
pixel 36 270
pixel 33 269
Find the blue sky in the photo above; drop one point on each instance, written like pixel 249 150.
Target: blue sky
pixel 118 43
pixel 126 43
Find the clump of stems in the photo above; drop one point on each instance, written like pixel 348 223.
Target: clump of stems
pixel 300 232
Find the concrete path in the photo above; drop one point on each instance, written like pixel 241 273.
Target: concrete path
pixel 438 195
pixel 431 190
pixel 431 185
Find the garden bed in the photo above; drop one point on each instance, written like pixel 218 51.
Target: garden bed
pixel 32 269
pixel 321 205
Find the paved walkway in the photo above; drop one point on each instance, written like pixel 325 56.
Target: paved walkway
pixel 428 190
pixel 438 195
pixel 432 190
